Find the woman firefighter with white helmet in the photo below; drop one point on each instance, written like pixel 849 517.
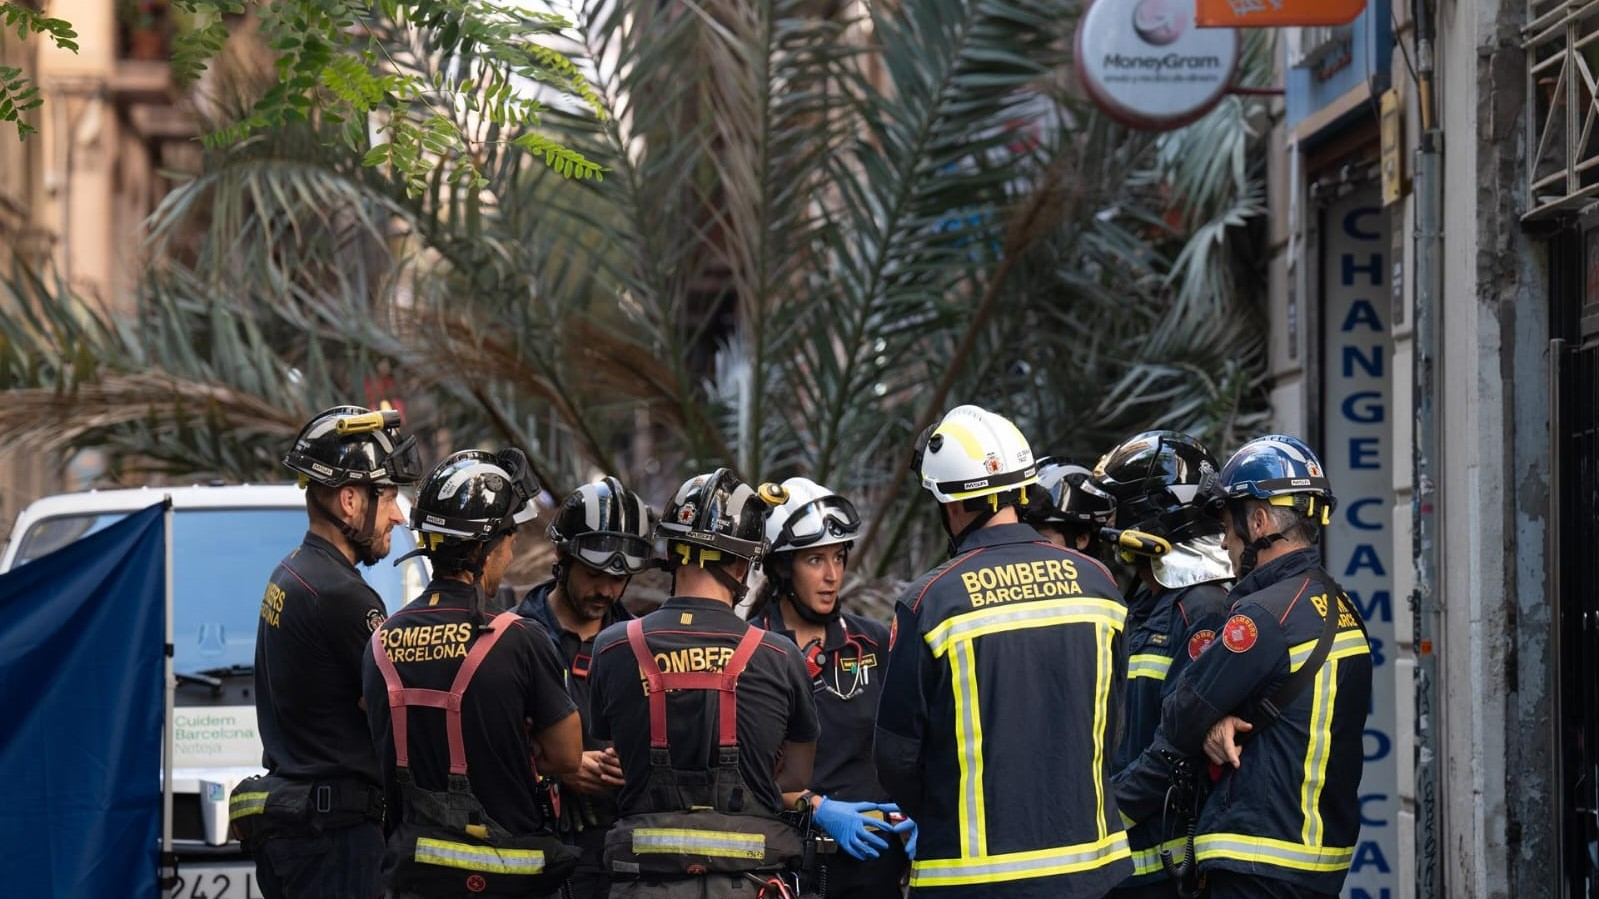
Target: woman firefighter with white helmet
pixel 811 534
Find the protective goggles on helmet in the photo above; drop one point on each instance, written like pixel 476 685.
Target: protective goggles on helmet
pixel 832 516
pixel 612 553
pixel 523 484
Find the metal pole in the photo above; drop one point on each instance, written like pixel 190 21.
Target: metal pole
pixel 168 688
pixel 1424 502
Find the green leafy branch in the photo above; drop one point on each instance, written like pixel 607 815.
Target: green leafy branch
pixel 19 94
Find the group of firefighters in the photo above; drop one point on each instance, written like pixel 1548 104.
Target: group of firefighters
pixel 1024 729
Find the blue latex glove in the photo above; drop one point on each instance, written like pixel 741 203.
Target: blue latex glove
pixel 910 843
pixel 846 823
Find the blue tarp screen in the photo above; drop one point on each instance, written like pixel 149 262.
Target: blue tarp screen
pixel 81 639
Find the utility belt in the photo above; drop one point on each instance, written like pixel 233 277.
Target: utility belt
pixel 268 805
pixel 701 841
pixel 448 843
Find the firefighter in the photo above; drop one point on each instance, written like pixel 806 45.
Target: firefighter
pixel 1159 481
pixel 712 719
pixel 452 697
pixel 811 535
pixel 1280 699
pixel 1067 508
pixel 323 835
pixel 998 716
pixel 602 539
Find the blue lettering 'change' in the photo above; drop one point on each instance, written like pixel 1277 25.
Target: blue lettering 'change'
pixel 1364 407
pixel 1370 364
pixel 1361 312
pixel 1353 227
pixel 1363 893
pixel 1352 267
pixel 1365 452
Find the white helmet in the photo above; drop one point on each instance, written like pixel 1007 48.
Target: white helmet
pixel 811 515
pixel 973 453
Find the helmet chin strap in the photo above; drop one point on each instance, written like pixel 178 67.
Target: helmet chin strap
pixel 811 615
pixel 1252 548
pixel 736 586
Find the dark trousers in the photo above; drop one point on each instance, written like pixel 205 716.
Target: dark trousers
pixel 341 863
pixel 873 878
pixel 1232 885
pixel 590 879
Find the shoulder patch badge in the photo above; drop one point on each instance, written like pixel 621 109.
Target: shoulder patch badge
pixel 374 619
pixel 1200 642
pixel 1239 633
pixel 893 631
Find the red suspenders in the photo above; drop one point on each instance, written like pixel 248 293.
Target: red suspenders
pixel 724 682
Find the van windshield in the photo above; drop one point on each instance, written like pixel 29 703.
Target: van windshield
pixel 221 560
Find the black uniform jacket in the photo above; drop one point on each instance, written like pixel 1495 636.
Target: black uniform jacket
pixel 578 811
pixel 853 657
pixel 997 723
pixel 690 634
pixel 317 616
pixel 1291 810
pixel 1165 634
pixel 517 688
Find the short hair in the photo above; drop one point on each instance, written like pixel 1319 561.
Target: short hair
pixel 1292 523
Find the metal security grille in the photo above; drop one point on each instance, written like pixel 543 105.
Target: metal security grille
pixel 1562 43
pixel 1574 358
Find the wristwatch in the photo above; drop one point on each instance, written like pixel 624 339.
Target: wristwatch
pixel 803 803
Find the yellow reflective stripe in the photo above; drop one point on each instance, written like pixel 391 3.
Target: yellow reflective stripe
pixel 243 805
pixel 963 436
pixel 1347 643
pixel 718 843
pixel 1148 664
pixel 1102 681
pixel 1147 861
pixel 1025 615
pixel 1126 821
pixel 1281 853
pixel 430 851
pixel 1020 865
pixel 1324 697
pixel 969 749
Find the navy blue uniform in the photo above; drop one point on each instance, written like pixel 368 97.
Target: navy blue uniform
pixel 1291 811
pixel 847 684
pixel 317 615
pixel 584 818
pixel 997 722
pixel 1165 634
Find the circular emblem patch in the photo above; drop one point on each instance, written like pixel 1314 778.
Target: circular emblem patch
pixel 1200 642
pixel 374 619
pixel 893 631
pixel 476 883
pixel 1239 633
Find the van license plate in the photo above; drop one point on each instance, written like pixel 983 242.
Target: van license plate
pixel 223 881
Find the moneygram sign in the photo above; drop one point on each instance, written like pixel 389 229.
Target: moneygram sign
pixel 1147 66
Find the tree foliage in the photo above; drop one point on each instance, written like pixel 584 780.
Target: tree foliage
pixel 336 62
pixel 815 233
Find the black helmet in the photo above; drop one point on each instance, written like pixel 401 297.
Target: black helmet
pixel 1068 497
pixel 1161 481
pixel 716 511
pixel 354 445
pixel 472 497
pixel 606 527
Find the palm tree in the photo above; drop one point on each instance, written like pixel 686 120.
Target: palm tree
pixel 816 230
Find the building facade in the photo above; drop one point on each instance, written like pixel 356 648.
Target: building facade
pixel 1436 336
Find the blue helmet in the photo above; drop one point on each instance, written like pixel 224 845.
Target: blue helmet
pixel 1280 470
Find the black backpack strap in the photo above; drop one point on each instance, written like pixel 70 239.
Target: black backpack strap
pixel 1270 708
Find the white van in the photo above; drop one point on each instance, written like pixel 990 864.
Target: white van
pixel 226 540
